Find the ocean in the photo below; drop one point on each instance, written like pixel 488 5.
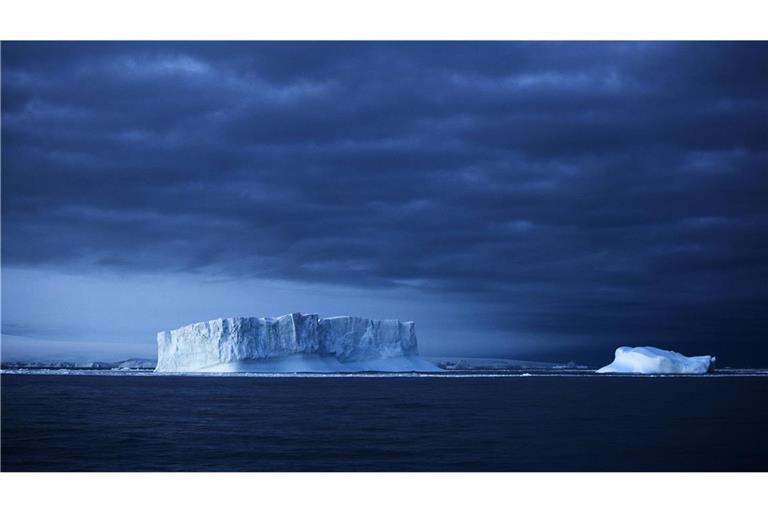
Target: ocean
pixel 144 422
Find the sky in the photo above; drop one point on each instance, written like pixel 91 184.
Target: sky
pixel 547 200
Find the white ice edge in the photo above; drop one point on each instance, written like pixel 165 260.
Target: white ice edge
pixel 735 373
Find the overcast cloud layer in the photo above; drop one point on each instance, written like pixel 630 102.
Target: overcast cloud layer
pixel 609 192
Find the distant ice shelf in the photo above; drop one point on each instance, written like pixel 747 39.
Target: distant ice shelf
pixel 127 364
pixel 496 364
pixel 291 343
pixel 649 360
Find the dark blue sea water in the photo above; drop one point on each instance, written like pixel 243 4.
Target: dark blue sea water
pixel 540 423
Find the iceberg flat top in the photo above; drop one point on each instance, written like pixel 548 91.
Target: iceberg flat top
pixel 648 360
pixel 303 342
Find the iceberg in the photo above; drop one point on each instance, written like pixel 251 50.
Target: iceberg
pixel 655 360
pixel 291 343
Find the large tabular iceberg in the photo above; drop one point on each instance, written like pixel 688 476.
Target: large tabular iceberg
pixel 654 360
pixel 291 343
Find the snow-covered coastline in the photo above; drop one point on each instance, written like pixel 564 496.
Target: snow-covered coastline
pixel 350 346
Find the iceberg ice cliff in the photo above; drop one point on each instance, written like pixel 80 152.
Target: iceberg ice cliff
pixel 291 343
pixel 654 360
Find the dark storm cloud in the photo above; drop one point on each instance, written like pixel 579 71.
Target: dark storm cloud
pixel 611 190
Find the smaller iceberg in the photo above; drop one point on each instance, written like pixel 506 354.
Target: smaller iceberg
pixel 654 360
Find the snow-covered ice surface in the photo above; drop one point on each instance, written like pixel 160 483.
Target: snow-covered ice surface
pixel 291 343
pixel 652 360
